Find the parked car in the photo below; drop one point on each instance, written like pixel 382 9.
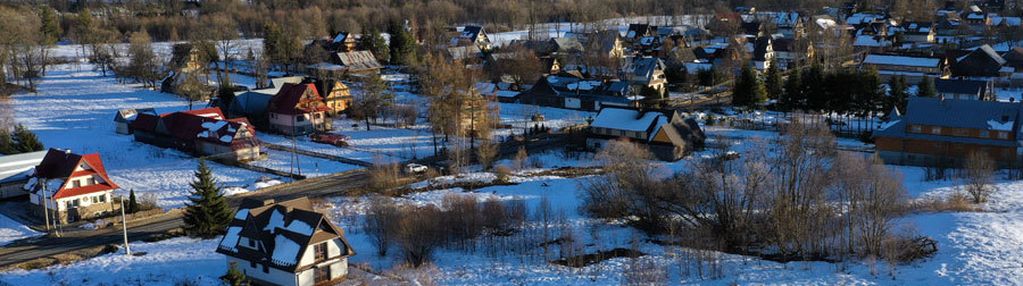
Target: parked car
pixel 413 168
pixel 330 138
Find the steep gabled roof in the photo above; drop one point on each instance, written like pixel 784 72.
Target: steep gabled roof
pixel 290 99
pixel 358 61
pixel 62 165
pixel 981 62
pixel 283 230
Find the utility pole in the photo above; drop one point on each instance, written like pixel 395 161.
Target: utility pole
pixel 124 227
pixel 46 211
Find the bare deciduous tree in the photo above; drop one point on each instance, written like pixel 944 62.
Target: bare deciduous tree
pixel 978 176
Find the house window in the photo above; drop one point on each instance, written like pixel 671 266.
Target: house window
pixel 76 183
pixel 252 243
pixel 1003 135
pixel 917 129
pixel 936 130
pixel 103 198
pixel 322 274
pixel 320 252
pixel 300 118
pixel 984 134
pixel 91 181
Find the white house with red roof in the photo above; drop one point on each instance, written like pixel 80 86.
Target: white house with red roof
pixel 73 187
pixel 298 109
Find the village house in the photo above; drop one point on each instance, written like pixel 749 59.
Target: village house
pixel 916 33
pixel 252 104
pixel 575 92
pixel 790 52
pixel 609 43
pixel 647 73
pixel 472 35
pixel 358 62
pixel 944 131
pixel 201 132
pixel 964 89
pixel 667 135
pixel 286 243
pixel 336 95
pixel 186 64
pixel 124 117
pixel 343 42
pixel 980 63
pixel 15 171
pixel 763 52
pixel 72 187
pixel 298 109
pixel 911 67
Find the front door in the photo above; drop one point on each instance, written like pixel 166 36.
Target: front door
pixel 322 274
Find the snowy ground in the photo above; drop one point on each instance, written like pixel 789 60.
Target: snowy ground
pixel 74 110
pixel 167 262
pixel 11 230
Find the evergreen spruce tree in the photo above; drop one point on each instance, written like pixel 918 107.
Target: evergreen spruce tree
pixel 793 98
pixel 207 214
pixel 6 144
pixel 926 88
pixel 234 277
pixel 49 30
pixel 403 45
pixel 375 43
pixel 133 204
pixel 25 141
pixel 773 82
pixel 748 89
pixel 870 95
pixel 898 94
pixel 813 90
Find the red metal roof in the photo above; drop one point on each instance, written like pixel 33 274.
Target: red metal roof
pixel 59 164
pixel 289 100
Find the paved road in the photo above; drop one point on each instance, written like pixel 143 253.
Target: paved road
pixel 148 228
pixel 330 185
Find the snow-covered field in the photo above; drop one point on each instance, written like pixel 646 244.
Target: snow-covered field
pixel 11 230
pixel 74 109
pixel 167 262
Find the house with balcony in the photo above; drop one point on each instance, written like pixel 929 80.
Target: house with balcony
pixel 936 131
pixel 71 187
pixel 286 243
pixel 298 109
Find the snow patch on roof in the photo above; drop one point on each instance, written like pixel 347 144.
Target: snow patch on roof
pixel 276 220
pixel 230 240
pixel 241 214
pixel 285 251
pixel 300 227
pixel 624 119
pixel 1000 126
pixel 889 124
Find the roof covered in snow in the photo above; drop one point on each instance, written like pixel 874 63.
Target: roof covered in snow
pixel 281 231
pixel 927 62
